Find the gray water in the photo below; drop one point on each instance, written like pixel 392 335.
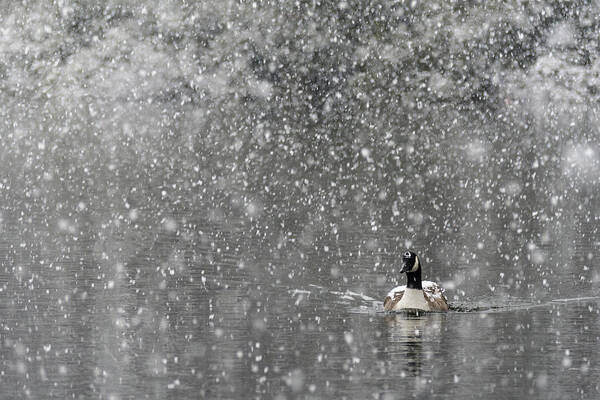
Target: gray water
pixel 189 318
pixel 208 200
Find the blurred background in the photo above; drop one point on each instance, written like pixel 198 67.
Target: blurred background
pixel 180 181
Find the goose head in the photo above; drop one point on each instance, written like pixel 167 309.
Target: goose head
pixel 410 262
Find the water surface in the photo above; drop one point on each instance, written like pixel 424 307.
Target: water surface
pixel 208 199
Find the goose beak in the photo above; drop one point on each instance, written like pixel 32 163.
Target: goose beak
pixel 404 268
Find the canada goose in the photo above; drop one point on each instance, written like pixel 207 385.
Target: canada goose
pixel 416 294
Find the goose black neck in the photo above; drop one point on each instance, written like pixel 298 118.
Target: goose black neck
pixel 413 280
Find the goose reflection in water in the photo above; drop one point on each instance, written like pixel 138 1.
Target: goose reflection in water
pixel 413 339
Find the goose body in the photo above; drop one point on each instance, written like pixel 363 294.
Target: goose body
pixel 416 294
pixel 430 298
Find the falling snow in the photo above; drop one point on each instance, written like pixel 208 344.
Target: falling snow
pixel 209 199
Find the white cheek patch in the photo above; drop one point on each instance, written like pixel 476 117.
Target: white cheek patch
pixel 416 265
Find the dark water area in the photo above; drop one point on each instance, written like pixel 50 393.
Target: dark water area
pixel 209 199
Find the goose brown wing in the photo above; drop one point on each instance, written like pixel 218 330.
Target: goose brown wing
pixel 392 299
pixel 434 294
